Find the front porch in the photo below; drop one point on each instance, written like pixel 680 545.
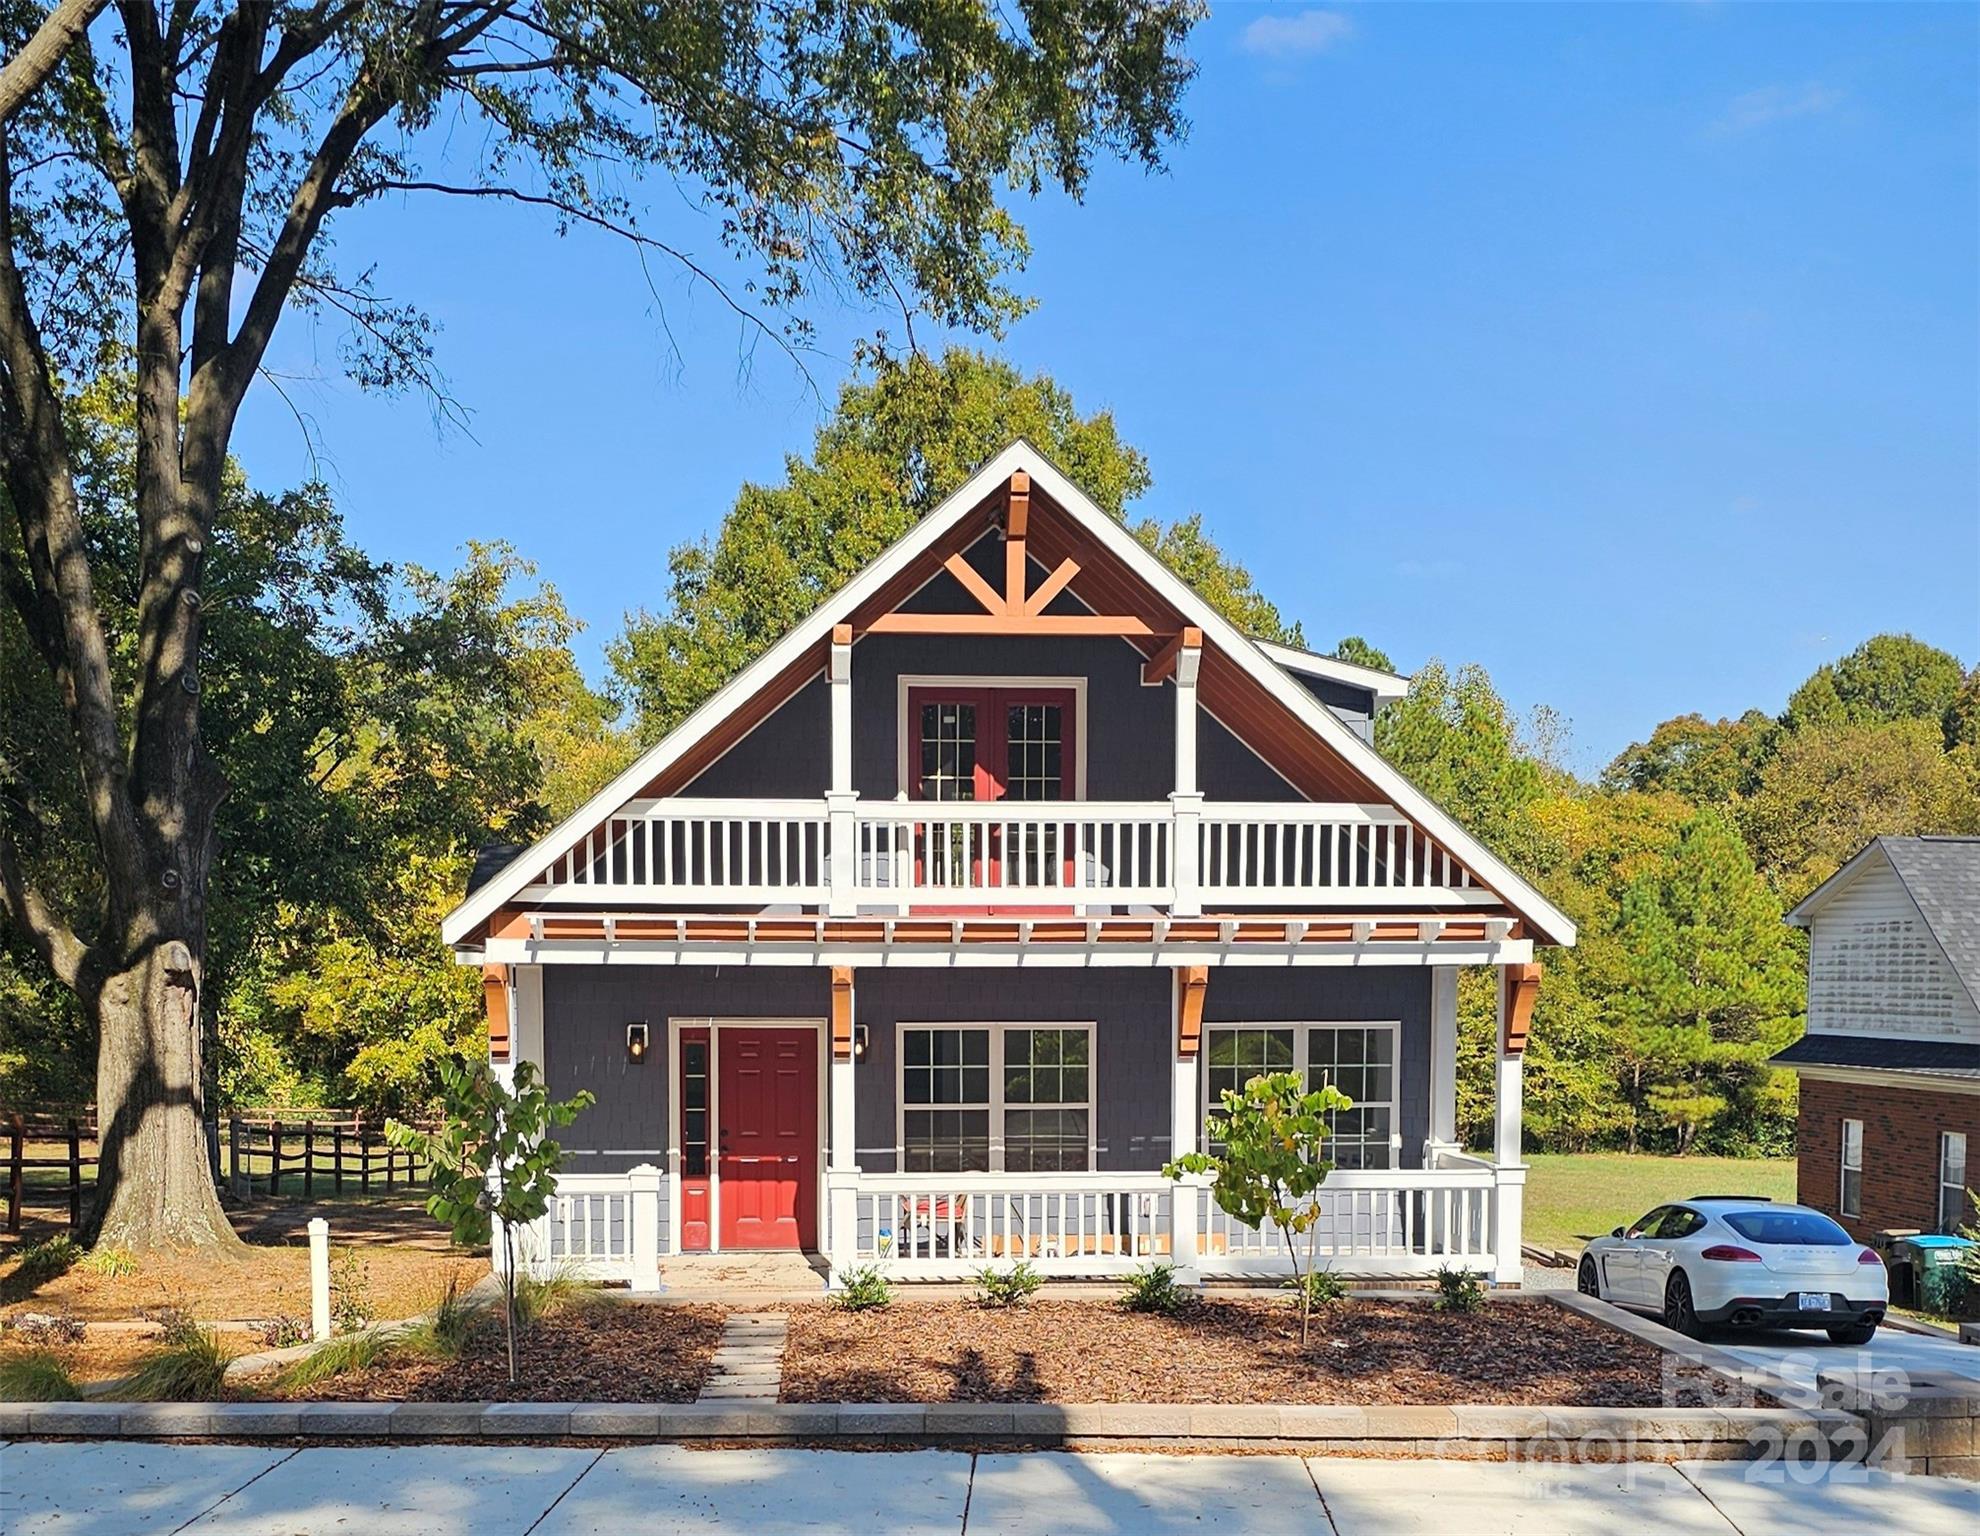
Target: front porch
pixel 1374 1224
pixel 941 1121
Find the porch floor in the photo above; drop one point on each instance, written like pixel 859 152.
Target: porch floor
pixel 743 1278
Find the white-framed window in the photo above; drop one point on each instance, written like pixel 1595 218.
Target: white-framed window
pixel 989 1098
pixel 1852 1167
pixel 1358 1058
pixel 1953 1204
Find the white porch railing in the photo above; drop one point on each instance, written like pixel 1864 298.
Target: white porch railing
pixel 1175 854
pixel 1373 1222
pixel 601 1226
pixel 919 1226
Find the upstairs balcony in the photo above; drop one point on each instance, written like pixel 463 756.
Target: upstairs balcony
pixel 844 855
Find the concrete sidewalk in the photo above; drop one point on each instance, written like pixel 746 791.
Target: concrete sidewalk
pixel 150 1489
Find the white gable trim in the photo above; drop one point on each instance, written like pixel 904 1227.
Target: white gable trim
pixel 1804 913
pixel 1385 686
pixel 1021 455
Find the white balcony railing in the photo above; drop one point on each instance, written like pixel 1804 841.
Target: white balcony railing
pixel 848 855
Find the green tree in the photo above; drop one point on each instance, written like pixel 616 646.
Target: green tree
pixel 1456 740
pixel 1885 679
pixel 1707 762
pixel 1358 651
pixel 1830 789
pixel 1273 1136
pixel 176 193
pixel 904 433
pixel 493 1161
pixel 1711 984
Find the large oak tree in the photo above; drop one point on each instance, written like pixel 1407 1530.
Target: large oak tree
pixel 167 180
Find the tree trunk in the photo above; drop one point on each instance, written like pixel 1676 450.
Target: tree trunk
pixel 154 1188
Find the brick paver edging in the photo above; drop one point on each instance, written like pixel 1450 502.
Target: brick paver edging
pixel 1596 1434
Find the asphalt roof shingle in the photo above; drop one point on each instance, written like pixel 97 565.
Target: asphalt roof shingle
pixel 1942 877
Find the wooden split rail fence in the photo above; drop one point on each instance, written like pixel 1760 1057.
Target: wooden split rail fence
pixel 332 1152
pixel 51 1157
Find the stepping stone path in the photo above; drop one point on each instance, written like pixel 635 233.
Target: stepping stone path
pixel 749 1362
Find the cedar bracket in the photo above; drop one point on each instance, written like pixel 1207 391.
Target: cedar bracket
pixel 842 1013
pixel 1013 611
pixel 1192 982
pixel 1522 988
pixel 1170 656
pixel 495 999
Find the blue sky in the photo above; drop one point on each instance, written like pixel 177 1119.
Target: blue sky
pixel 1632 351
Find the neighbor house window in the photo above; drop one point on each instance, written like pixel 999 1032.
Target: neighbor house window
pixel 990 1097
pixel 1358 1059
pixel 1953 1204
pixel 1852 1167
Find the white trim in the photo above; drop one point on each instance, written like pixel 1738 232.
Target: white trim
pixel 1960 1202
pixel 1846 1168
pixel 1321 721
pixel 995 1106
pixel 1887 1077
pixel 715 1024
pixel 903 750
pixel 1804 910
pixel 1302 1032
pixel 1385 686
pixel 1102 956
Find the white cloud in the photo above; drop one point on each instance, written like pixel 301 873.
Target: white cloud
pixel 1285 35
pixel 1777 104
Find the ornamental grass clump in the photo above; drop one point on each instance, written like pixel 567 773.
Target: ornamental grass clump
pixel 1273 1135
pixel 189 1369
pixel 36 1376
pixel 336 1357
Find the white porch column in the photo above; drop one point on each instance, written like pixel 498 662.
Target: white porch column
pixel 1509 1175
pixel 525 1021
pixel 1186 801
pixel 842 1177
pixel 1443 1059
pixel 842 835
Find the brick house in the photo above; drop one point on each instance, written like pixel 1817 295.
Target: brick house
pixel 1890 1065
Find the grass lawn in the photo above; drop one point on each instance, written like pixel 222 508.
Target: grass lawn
pixel 1573 1197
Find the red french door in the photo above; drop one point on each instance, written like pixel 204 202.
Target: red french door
pixel 767 1137
pixel 988 744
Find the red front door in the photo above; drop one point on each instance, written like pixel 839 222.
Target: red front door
pixel 767 1155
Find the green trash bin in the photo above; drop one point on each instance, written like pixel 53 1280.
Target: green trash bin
pixel 1935 1262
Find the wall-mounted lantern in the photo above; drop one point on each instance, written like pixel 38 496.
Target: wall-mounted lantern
pixel 859 1042
pixel 636 1043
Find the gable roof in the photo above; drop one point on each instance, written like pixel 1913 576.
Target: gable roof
pixel 1941 876
pixel 1385 686
pixel 892 577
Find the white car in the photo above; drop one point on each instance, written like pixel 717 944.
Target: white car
pixel 1742 1262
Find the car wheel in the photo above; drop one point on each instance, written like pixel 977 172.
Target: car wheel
pixel 1586 1280
pixel 1679 1314
pixel 1853 1333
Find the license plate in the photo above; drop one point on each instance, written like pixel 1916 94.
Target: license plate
pixel 1814 1301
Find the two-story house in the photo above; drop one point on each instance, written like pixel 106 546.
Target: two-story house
pixel 1890 1065
pixel 930 938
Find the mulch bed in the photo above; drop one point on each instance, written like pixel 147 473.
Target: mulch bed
pixel 1361 1352
pixel 604 1352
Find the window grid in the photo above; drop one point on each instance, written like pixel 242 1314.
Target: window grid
pixel 1952 1181
pixel 948 751
pixel 1852 1167
pixel 1358 1059
pixel 996 1098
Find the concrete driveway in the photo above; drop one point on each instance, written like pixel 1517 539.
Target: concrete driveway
pixel 110 1488
pixel 1922 1360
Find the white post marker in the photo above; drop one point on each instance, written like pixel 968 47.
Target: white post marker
pixel 319 1278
